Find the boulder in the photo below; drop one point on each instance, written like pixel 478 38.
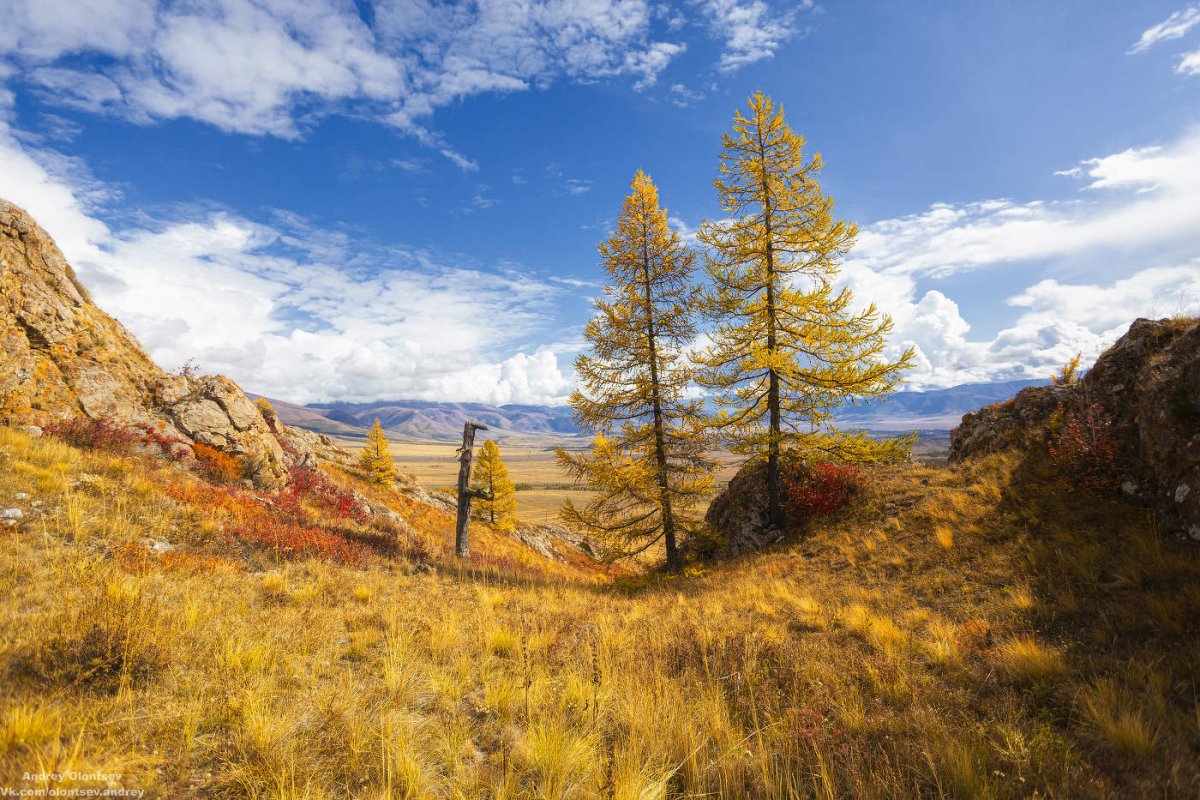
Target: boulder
pixel 737 518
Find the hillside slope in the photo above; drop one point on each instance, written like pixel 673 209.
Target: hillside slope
pixel 960 632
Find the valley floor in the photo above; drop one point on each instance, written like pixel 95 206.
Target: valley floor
pixel 959 632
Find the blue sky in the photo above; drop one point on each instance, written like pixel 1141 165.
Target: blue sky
pixel 397 199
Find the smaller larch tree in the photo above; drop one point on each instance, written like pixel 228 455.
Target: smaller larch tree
pixel 648 467
pixel 499 508
pixel 376 458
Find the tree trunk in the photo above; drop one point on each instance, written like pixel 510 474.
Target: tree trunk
pixel 660 445
pixel 461 546
pixel 775 515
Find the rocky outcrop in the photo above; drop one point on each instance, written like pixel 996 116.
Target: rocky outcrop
pixel 1004 425
pixel 61 355
pixel 1148 385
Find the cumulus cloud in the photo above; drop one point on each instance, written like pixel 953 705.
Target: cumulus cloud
pixel 268 67
pixel 294 311
pixel 1134 225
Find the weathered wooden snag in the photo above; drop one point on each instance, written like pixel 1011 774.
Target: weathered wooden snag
pixel 465 493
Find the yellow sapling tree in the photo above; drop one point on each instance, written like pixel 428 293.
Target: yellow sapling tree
pixel 499 505
pixel 376 458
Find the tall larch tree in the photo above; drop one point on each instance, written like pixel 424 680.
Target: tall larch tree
pixel 787 348
pixel 491 476
pixel 647 465
pixel 376 457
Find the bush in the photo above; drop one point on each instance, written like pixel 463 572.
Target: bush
pixel 218 467
pixel 306 482
pixel 1085 450
pixel 293 540
pixel 821 488
pixel 93 434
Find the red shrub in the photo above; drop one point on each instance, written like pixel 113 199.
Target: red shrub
pixel 820 488
pixel 218 467
pixel 306 482
pixel 1085 450
pixel 94 434
pixel 289 539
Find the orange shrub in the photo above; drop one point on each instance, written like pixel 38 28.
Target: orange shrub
pixel 218 467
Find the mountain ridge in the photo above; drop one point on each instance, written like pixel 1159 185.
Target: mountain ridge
pixel 936 410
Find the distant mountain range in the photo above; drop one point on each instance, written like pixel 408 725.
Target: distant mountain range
pixel 937 410
pixel 416 419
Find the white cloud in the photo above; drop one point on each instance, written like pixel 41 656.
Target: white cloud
pixel 1173 27
pixel 1162 211
pixel 1140 209
pixel 268 67
pixel 292 310
pixel 1058 320
pixel 682 97
pixel 1189 64
pixel 751 29
pixel 577 186
pixel 649 63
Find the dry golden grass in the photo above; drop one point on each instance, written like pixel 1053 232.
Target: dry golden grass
pixel 866 660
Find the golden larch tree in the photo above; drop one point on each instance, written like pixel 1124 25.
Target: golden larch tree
pixel 787 348
pixel 499 508
pixel 376 457
pixel 647 464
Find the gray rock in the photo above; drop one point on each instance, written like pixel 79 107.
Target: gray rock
pixel 11 513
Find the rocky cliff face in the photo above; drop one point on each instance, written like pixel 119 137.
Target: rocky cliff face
pixel 1148 385
pixel 61 355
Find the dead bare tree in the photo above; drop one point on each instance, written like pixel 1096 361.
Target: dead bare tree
pixel 465 493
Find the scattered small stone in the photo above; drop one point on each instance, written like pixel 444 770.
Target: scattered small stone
pixel 33 431
pixel 22 495
pixel 158 547
pixel 11 513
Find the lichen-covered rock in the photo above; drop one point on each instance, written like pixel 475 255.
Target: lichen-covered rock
pixel 737 518
pixel 1148 384
pixel 60 355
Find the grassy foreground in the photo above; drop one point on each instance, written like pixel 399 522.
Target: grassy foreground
pixel 966 632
